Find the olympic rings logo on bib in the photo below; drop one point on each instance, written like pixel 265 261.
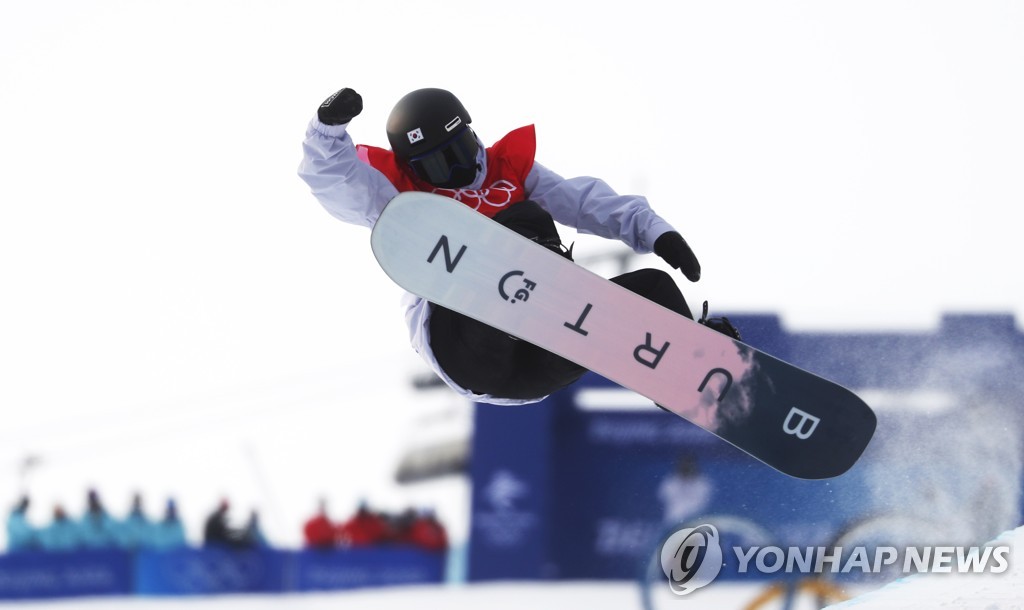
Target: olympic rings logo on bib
pixel 498 195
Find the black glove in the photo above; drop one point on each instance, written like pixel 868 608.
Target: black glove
pixel 340 108
pixel 673 248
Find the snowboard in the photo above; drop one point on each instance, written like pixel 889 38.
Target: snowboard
pixel 448 253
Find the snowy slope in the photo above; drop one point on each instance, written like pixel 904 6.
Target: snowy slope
pixel 960 591
pixel 504 596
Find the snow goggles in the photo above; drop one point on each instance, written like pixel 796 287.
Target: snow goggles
pixel 437 165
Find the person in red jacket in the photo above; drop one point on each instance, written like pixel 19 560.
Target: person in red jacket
pixel 427 533
pixel 319 530
pixel 365 528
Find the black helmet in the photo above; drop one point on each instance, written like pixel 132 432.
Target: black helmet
pixel 429 130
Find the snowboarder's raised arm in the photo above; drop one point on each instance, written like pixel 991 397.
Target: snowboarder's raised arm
pixel 350 189
pixel 593 207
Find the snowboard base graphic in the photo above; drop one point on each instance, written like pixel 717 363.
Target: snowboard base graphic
pixel 447 253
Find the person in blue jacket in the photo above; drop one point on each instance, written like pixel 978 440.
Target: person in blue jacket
pixel 96 528
pixel 135 530
pixel 62 534
pixel 168 533
pixel 433 149
pixel 21 535
pixel 254 535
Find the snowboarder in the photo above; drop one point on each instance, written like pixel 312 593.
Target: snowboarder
pixel 433 149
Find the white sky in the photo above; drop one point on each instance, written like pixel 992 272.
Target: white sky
pixel 164 271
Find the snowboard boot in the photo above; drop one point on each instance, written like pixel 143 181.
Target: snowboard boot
pixel 531 221
pixel 720 324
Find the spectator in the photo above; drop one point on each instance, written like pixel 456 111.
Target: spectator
pixel 62 534
pixel 169 533
pixel 253 535
pixel 21 536
pixel 365 528
pixel 427 533
pixel 135 531
pixel 219 533
pixel 402 523
pixel 319 531
pixel 685 493
pixel 97 530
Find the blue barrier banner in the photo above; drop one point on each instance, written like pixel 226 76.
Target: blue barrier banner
pixel 512 453
pixel 29 575
pixel 211 571
pixel 355 568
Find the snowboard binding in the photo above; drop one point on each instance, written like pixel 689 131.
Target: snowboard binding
pixel 556 246
pixel 719 324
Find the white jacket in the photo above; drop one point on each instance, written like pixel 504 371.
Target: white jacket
pixel 354 192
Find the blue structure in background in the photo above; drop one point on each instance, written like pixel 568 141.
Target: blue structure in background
pixel 36 575
pixel 32 575
pixel 564 492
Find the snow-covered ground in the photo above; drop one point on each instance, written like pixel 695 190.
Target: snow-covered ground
pixel 927 591
pixel 507 596
pixel 961 591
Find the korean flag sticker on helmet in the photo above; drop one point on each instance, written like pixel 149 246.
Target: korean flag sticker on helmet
pixel 415 135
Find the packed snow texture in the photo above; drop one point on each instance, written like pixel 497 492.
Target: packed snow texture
pixel 927 591
pixel 960 591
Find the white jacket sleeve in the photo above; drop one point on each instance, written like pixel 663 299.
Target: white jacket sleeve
pixel 592 207
pixel 350 189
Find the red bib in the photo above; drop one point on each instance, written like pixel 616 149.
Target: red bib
pixel 509 161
